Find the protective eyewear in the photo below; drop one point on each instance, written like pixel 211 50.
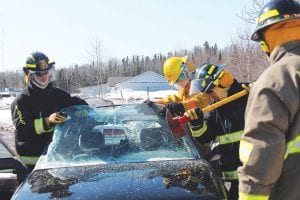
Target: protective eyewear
pixel 201 85
pixel 40 73
pixel 181 77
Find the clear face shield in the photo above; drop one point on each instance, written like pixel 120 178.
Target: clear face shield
pixel 41 78
pixel 201 86
pixel 182 81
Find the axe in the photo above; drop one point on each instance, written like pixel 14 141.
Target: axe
pixel 176 123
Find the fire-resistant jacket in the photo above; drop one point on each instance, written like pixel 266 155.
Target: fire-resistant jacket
pixel 225 126
pixel 270 146
pixel 29 110
pixel 199 100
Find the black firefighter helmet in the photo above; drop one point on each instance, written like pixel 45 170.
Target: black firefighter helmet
pixel 274 12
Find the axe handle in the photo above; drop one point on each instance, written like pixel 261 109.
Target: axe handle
pixel 184 119
pixel 225 101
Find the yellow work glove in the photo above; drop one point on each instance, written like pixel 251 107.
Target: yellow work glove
pixel 55 118
pixel 196 117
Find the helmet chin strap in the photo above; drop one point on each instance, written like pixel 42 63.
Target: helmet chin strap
pixel 264 46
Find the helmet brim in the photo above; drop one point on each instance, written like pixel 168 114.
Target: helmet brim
pixel 257 37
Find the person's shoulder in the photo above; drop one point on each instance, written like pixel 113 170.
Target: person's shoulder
pixel 23 96
pixel 60 90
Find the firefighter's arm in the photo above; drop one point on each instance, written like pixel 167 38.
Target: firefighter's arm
pixel 196 122
pixel 24 121
pixel 262 147
pixel 199 100
pixel 172 98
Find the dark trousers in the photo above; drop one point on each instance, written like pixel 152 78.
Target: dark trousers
pixel 234 190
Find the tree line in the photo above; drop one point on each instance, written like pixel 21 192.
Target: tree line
pixel 243 57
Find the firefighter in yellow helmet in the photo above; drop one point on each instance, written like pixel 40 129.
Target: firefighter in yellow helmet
pixel 179 72
pixel 269 147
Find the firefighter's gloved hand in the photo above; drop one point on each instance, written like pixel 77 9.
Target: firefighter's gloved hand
pixel 196 118
pixel 174 108
pixel 153 105
pixel 55 118
pixel 247 86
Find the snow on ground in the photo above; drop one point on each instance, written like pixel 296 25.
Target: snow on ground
pixel 5 116
pixel 6 126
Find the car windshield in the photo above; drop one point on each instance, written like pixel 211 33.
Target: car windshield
pixel 115 134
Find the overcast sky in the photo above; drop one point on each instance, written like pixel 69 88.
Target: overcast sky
pixel 67 29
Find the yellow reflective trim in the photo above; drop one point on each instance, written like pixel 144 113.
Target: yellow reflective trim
pixel 211 69
pixel 20 115
pixel 267 15
pixel 230 137
pixel 292 147
pixel 244 196
pixel 199 132
pixel 39 126
pixel 203 83
pixel 230 175
pixel 264 46
pixel 216 82
pixel 245 151
pixel 31 66
pixel 29 160
pixel 221 74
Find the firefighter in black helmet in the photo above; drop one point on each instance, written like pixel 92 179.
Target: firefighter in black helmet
pixel 224 126
pixel 36 110
pixel 269 147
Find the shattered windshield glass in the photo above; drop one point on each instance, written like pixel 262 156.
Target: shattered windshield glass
pixel 116 134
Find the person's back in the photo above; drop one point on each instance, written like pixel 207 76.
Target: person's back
pixel 269 148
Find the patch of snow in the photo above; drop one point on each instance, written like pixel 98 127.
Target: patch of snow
pixel 5 102
pixel 132 96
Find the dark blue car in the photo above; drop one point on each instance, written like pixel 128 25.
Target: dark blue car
pixel 119 152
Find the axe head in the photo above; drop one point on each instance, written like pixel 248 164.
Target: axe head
pixel 175 125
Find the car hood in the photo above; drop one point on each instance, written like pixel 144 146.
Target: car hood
pixel 186 179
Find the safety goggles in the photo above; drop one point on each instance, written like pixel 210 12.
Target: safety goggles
pixel 41 73
pixel 201 85
pixel 180 77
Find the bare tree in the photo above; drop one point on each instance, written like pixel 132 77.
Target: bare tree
pixel 249 14
pixel 96 55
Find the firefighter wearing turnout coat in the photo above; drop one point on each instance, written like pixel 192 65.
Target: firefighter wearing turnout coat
pixel 179 71
pixel 223 126
pixel 35 109
pixel 270 146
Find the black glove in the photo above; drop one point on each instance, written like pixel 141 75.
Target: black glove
pixel 152 105
pixel 196 118
pixel 174 108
